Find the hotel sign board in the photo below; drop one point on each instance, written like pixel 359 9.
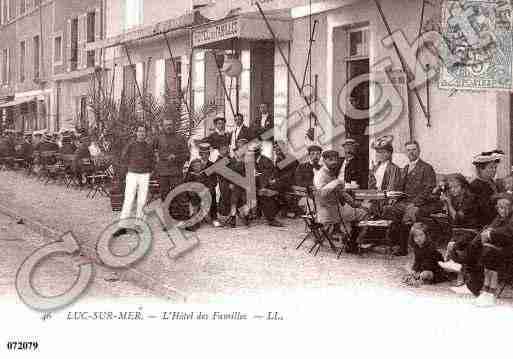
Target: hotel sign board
pixel 223 31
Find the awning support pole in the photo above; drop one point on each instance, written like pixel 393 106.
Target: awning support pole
pixel 282 54
pixel 180 94
pixel 224 87
pixel 136 83
pixel 409 75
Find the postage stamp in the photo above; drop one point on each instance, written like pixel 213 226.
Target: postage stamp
pixel 479 41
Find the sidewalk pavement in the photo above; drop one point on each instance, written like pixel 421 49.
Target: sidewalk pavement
pixel 236 262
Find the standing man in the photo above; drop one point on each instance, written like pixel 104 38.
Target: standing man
pixel 138 158
pixel 263 123
pixel 418 179
pixel 219 137
pixel 352 170
pixel 172 153
pixel 240 131
pixel 211 182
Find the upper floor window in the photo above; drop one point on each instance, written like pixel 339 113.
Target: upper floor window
pixel 57 50
pixel 22 61
pixel 133 13
pixel 23 6
pixel 5 66
pixel 35 53
pixel 359 42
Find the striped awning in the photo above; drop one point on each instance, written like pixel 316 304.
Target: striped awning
pixel 18 101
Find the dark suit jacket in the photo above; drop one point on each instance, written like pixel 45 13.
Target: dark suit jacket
pixel 216 140
pixel 419 184
pixel 264 166
pixel 166 145
pixel 305 174
pixel 244 132
pixel 391 178
pixel 356 171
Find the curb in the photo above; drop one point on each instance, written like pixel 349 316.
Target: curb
pixel 130 275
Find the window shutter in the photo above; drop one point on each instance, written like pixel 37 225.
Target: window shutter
pixel 9 70
pixel 82 37
pixel 68 46
pixel 97 35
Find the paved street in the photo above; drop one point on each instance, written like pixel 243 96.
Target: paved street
pixel 228 263
pixel 17 242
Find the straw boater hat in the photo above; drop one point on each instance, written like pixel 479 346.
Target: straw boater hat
pixel 383 143
pixel 349 141
pixel 219 118
pixel 314 148
pixel 487 157
pixel 204 147
pixel 330 154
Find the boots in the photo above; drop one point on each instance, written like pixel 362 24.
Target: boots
pixel 403 235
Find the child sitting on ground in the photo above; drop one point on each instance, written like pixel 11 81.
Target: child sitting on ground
pixel 425 268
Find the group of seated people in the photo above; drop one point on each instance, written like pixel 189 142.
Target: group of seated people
pixel 38 149
pixel 482 208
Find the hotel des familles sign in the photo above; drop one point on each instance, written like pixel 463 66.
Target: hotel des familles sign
pixel 218 32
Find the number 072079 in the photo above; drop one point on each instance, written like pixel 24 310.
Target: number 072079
pixel 19 346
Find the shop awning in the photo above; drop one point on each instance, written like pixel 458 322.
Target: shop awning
pixel 176 24
pixel 18 101
pixel 244 26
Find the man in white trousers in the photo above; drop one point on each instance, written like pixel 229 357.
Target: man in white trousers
pixel 138 156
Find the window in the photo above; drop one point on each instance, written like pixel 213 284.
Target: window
pixel 133 13
pixel 74 44
pixel 22 61
pixel 57 50
pixel 359 43
pixel 5 11
pixel 5 66
pixel 36 56
pixel 23 7
pixel 91 25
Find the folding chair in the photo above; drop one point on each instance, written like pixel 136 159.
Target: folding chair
pixel 315 229
pixel 99 180
pixel 69 173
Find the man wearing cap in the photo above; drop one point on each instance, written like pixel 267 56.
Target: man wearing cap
pixel 334 204
pixel 138 156
pixel 219 136
pixel 240 131
pixel 27 149
pixel 204 153
pixel 352 170
pixel 305 172
pixel 172 153
pixel 235 194
pixel 267 200
pixel 418 179
pixel 283 180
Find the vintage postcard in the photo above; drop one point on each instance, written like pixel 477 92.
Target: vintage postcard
pixel 256 178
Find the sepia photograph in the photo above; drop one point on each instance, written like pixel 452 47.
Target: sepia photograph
pixel 256 178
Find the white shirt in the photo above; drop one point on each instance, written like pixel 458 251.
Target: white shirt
pixel 380 173
pixel 342 173
pixel 264 119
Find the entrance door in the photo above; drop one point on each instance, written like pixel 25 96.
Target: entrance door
pixel 262 77
pixel 355 128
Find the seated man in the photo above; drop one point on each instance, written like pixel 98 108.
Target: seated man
pixel 284 180
pixel 305 172
pixel 353 170
pixel 210 181
pixel 418 179
pixel 334 205
pixel 236 194
pixel 267 201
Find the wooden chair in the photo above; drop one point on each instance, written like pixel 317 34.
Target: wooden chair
pixel 315 229
pixel 68 161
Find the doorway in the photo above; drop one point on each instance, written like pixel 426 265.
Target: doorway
pixel 262 77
